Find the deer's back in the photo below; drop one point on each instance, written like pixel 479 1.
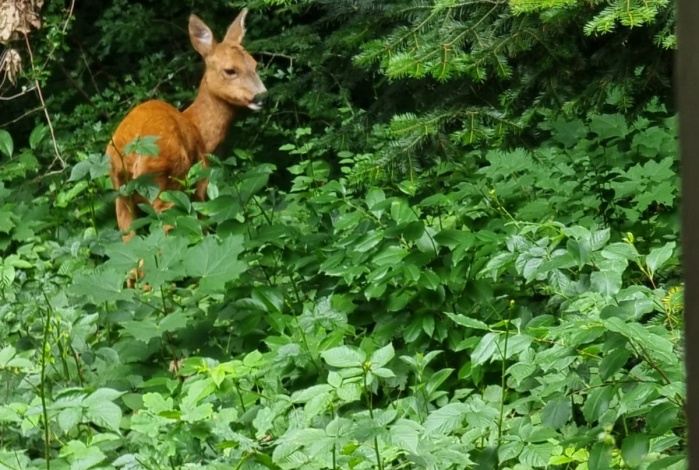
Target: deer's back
pixel 179 141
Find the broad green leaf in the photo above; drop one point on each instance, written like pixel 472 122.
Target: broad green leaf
pixel 634 449
pixel 537 455
pixel 100 395
pixel 597 402
pixel 608 283
pixel 612 362
pixel 390 256
pixel 37 135
pixel 620 250
pixel 70 418
pixel 105 414
pixel 79 171
pixel 179 199
pixel 193 414
pixel 373 197
pixel 600 457
pixel 344 356
pixel 405 434
pixel 446 419
pixel 252 183
pixel 467 322
pixel 146 146
pixel 487 346
pixel 382 356
pixel 580 250
pixel 302 396
pixel 437 379
pixel 6 144
pixel 659 256
pixel 6 354
pixel 142 330
pixel 401 212
pixel 557 412
pixel 81 456
pixel 106 286
pixel 368 241
pixel 215 263
pixel 663 417
pixel 7 275
pixel 144 185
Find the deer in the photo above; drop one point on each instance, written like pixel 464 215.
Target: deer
pixel 230 83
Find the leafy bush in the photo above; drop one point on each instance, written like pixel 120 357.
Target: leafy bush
pixel 421 256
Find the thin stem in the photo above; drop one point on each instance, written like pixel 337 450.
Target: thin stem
pixel 58 158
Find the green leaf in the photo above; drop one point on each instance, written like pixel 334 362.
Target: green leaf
pixel 69 418
pixel 608 283
pixel 557 412
pixel 144 185
pixel 390 256
pixel 487 346
pixel 382 356
pixel 659 256
pixel 145 146
pixel 6 144
pixel 215 264
pixel 7 275
pixel 437 379
pixel 6 354
pixel 343 357
pixel 105 414
pixel 597 402
pixel 106 286
pixel 467 322
pixel 368 241
pixel 600 457
pixel 446 419
pixel 612 362
pixel 634 449
pixel 37 135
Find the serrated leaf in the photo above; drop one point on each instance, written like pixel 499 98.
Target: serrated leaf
pixel 144 146
pixel 215 263
pixel 106 286
pixel 105 414
pixel 446 419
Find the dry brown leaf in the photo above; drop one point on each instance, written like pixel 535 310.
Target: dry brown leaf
pixel 18 17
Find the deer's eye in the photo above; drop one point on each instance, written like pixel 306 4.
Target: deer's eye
pixel 230 72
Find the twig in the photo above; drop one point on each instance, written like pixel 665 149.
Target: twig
pixel 12 121
pixel 43 105
pixel 23 92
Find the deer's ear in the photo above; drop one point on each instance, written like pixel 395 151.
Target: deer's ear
pixel 201 36
pixel 236 31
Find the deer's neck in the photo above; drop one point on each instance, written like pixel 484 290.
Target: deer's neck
pixel 211 116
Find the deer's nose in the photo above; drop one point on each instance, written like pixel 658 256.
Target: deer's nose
pixel 259 99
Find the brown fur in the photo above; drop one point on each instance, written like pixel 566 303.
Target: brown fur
pixel 229 82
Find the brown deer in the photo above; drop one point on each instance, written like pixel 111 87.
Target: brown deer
pixel 230 82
